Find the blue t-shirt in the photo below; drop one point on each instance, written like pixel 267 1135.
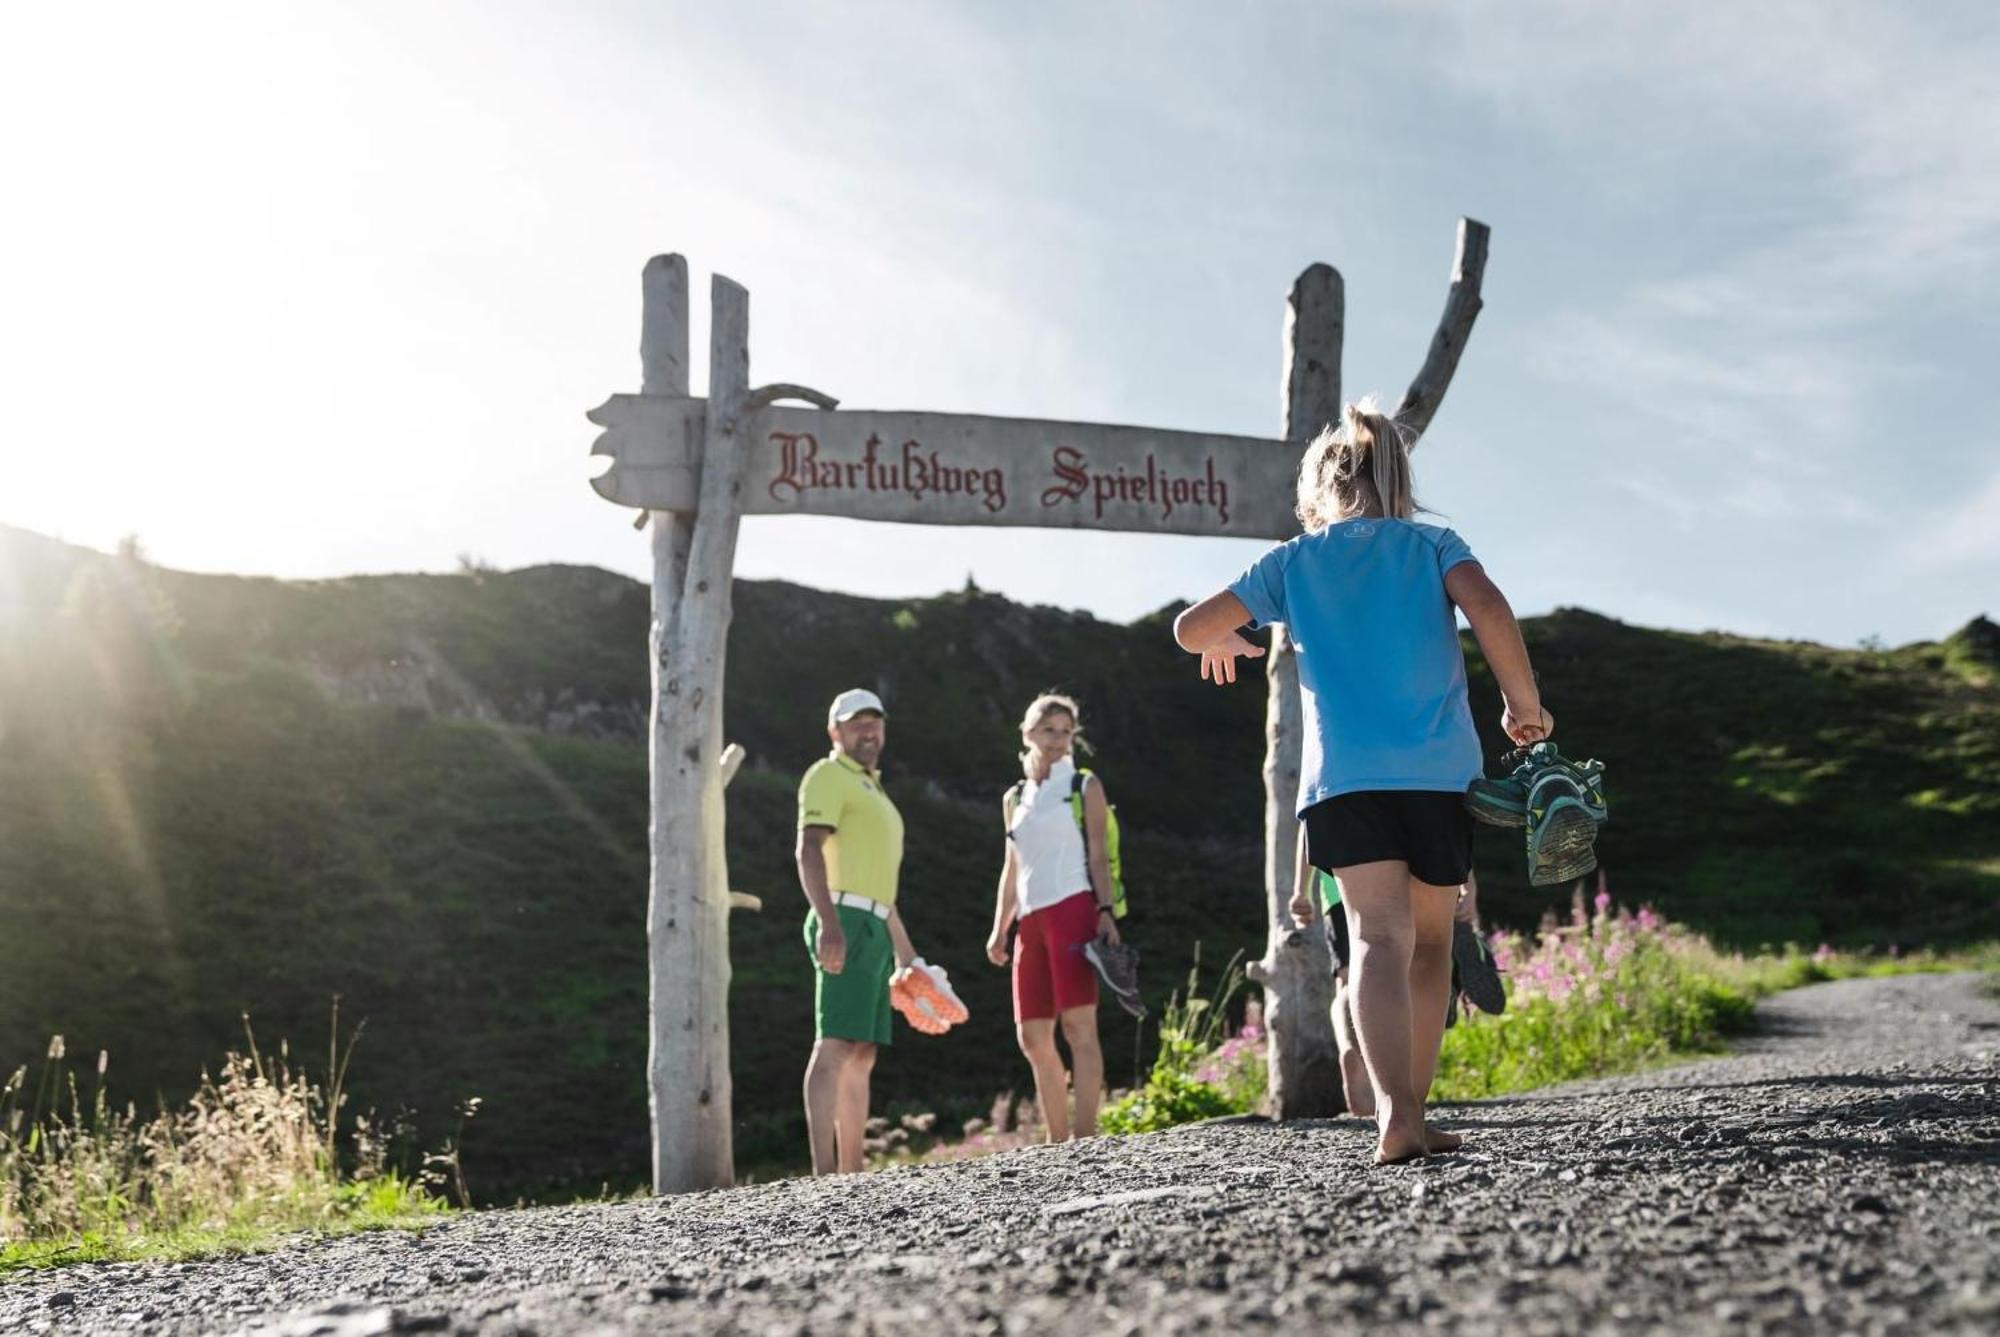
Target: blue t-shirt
pixel 1380 668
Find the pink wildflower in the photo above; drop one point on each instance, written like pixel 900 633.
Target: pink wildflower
pixel 1824 954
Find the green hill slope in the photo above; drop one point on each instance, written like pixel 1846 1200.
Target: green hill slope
pixel 426 795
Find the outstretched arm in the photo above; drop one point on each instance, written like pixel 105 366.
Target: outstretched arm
pixel 1499 636
pixel 1209 629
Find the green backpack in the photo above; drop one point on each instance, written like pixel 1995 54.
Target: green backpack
pixel 1110 840
pixel 1083 825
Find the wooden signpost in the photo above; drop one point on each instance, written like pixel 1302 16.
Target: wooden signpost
pixel 695 466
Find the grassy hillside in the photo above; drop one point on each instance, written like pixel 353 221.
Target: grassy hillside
pixel 426 794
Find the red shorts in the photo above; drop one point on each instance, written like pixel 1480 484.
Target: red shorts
pixel 1050 974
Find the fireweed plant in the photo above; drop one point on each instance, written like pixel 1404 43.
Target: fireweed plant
pixel 254 1154
pixel 1613 990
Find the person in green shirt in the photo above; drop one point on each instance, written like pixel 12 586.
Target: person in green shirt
pixel 850 849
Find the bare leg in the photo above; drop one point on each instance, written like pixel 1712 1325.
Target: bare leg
pixel 1383 930
pixel 1038 1042
pixel 853 1118
pixel 823 1083
pixel 1086 1061
pixel 1430 992
pixel 1353 1068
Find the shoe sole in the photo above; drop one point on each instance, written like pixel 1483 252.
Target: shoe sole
pixel 1493 814
pixel 924 993
pixel 1477 979
pixel 1562 843
pixel 920 1019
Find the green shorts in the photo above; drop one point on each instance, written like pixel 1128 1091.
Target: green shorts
pixel 853 1005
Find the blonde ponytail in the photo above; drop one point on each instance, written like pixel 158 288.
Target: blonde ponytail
pixel 1362 465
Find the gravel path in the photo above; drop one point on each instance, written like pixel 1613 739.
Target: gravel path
pixel 1836 1174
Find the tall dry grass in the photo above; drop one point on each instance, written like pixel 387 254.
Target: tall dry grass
pixel 256 1151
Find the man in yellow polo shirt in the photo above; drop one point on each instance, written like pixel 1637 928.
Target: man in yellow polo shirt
pixel 849 851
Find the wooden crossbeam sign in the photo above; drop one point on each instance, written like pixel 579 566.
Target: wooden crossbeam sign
pixel 957 469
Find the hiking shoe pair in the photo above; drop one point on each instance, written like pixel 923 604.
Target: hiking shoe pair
pixel 1559 803
pixel 923 994
pixel 1118 966
pixel 1504 802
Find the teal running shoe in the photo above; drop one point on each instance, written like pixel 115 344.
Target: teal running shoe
pixel 1504 802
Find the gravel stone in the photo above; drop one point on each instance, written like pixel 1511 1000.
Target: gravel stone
pixel 1835 1174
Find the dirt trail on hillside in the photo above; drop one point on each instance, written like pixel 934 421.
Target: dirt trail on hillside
pixel 1836 1174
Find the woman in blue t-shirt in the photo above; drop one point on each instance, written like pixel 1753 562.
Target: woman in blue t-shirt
pixel 1367 595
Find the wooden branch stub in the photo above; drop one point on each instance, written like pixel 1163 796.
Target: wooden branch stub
pixel 732 757
pixel 663 326
pixel 743 900
pixel 1315 330
pixel 1461 307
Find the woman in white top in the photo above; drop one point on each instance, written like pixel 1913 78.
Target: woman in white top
pixel 1058 884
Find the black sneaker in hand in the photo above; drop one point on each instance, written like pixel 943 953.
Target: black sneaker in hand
pixel 1118 966
pixel 1474 971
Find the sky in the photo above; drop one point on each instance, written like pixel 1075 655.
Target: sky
pixel 314 290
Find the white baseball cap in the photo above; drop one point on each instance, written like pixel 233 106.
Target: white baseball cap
pixel 851 703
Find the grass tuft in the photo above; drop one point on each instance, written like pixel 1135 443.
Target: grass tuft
pixel 253 1158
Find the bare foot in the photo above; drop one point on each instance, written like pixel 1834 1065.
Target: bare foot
pixel 1437 1140
pixel 1399 1145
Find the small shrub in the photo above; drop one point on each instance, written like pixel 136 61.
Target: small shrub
pixel 1167 1098
pixel 1187 1081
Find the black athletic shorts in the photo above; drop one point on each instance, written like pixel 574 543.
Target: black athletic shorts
pixel 1428 829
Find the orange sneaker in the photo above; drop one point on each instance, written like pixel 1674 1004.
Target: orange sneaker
pixel 922 993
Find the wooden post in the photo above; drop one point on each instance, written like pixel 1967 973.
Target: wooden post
pixel 689 924
pixel 672 1008
pixel 1297 969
